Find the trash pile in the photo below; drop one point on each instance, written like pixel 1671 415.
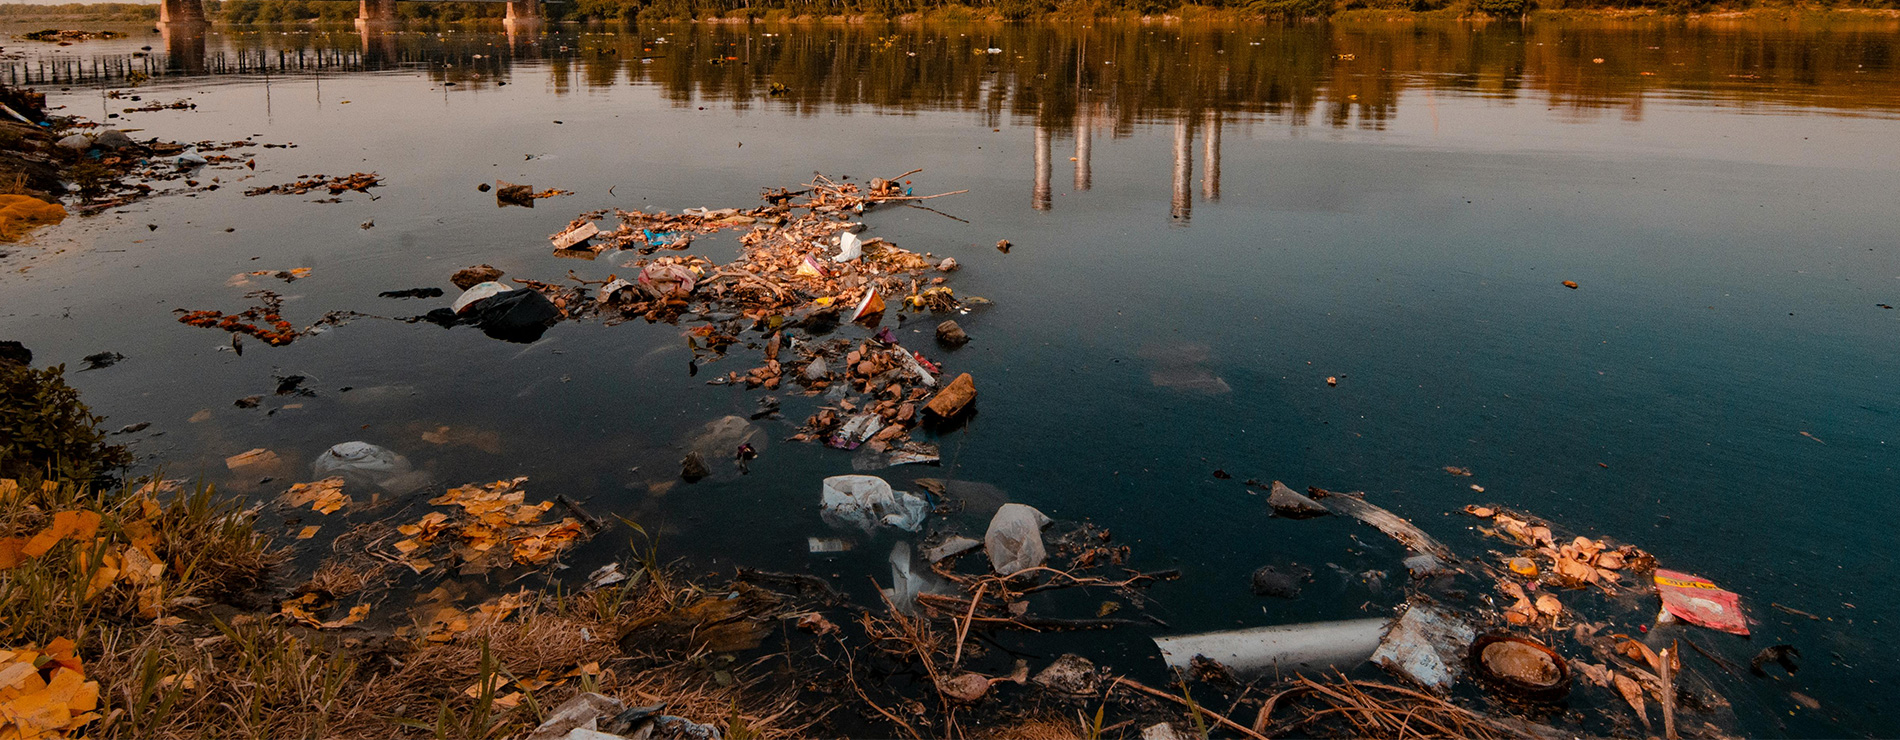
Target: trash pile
pixel 44 692
pixel 495 527
pixel 359 182
pixel 1548 629
pixel 69 35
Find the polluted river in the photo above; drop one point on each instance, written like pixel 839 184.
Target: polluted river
pixel 1624 281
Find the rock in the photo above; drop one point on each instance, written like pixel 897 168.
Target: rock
pixel 1071 674
pixel 1293 505
pixel 951 335
pixel 949 264
pixel 693 467
pixel 113 139
pixel 1160 731
pixel 101 360
pixel 76 142
pixel 484 187
pixel 966 688
pixel 581 712
pixel 519 195
pixel 469 277
pixel 954 398
pixel 1279 582
pixel 816 370
pixel 16 353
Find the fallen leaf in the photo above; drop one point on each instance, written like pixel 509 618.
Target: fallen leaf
pixel 74 524
pixel 817 624
pixel 310 531
pixel 259 456
pixel 304 493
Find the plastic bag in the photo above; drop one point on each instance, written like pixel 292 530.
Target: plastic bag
pixel 849 247
pixel 362 463
pixel 866 501
pixel 1014 540
pixel 1699 601
pixel 477 293
pixel 515 316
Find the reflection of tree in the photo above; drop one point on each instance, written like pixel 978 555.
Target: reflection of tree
pixel 1126 74
pixel 1338 75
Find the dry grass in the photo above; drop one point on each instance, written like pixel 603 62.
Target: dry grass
pixel 1035 728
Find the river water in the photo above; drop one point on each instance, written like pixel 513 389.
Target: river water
pixel 1208 223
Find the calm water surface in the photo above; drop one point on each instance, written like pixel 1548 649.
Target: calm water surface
pixel 1209 222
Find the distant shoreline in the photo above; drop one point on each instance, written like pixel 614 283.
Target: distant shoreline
pixel 1471 11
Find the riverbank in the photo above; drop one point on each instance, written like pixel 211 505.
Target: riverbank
pixel 1276 11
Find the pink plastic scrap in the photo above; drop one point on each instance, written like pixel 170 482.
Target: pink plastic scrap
pixel 1699 601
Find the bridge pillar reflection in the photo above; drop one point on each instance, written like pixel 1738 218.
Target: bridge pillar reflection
pixel 1039 198
pixel 523 15
pixel 184 46
pixel 181 13
pixel 1210 157
pixel 1181 205
pixel 375 13
pixel 379 46
pixel 1084 133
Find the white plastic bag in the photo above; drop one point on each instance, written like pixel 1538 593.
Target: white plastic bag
pixel 363 463
pixel 1014 540
pixel 866 502
pixel 849 247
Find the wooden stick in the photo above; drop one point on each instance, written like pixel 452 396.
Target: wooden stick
pixel 1236 726
pixel 1266 710
pixel 964 630
pixel 1668 697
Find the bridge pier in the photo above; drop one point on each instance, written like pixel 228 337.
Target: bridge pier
pixel 522 10
pixel 181 13
pixel 375 13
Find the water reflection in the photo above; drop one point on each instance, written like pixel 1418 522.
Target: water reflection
pixel 1341 75
pixel 1072 79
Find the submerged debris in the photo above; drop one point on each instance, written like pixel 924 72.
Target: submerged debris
pixel 360 182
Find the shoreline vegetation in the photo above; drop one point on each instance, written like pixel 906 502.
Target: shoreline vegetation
pixel 927 11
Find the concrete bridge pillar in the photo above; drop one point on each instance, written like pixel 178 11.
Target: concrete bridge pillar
pixel 181 12
pixel 375 12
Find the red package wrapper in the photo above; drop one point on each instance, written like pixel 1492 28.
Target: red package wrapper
pixel 1699 601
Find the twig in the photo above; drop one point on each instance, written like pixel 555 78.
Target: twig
pixel 593 522
pixel 964 630
pixel 1236 726
pixel 1794 611
pixel 1716 659
pixel 933 210
pixel 1266 710
pixel 850 674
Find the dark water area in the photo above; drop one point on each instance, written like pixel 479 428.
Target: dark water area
pixel 1209 222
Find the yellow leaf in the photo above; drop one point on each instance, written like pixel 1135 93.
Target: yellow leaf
pixel 75 524
pixel 309 532
pixel 259 456
pixel 303 493
pixel 10 555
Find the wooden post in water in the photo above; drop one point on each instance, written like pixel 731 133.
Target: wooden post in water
pixel 1210 157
